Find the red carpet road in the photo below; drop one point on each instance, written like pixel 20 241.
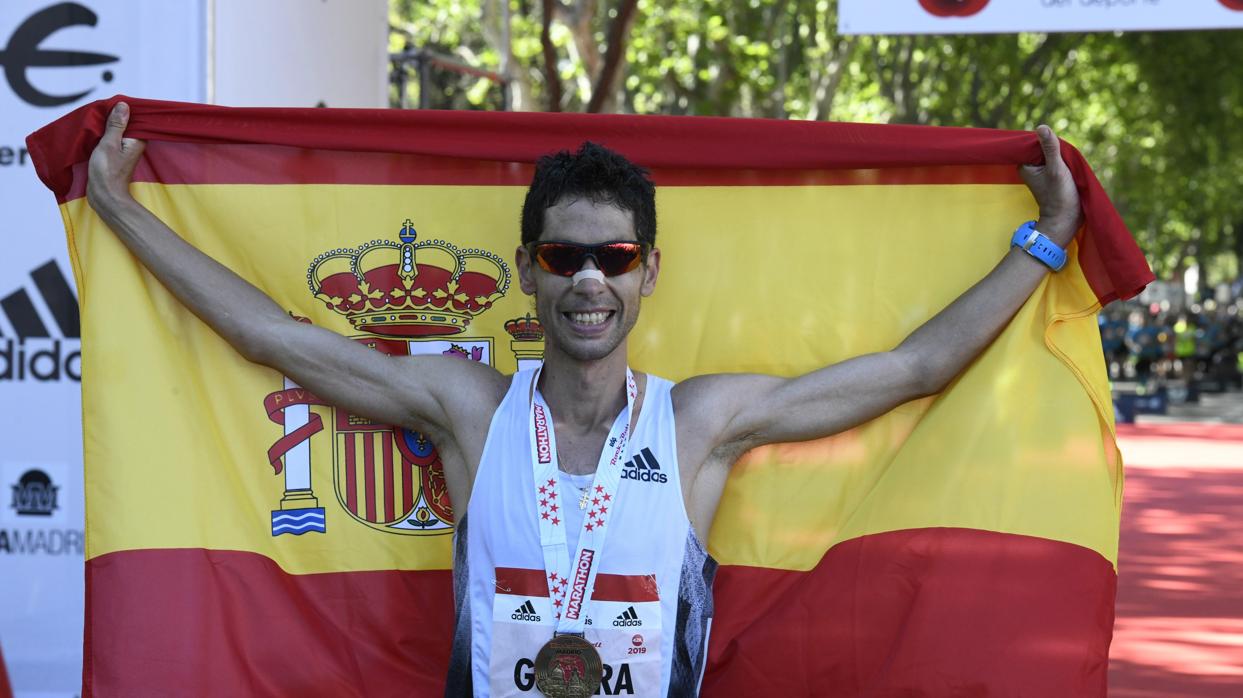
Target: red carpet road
pixel 1179 627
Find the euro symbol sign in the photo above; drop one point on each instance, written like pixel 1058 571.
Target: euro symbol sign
pixel 23 52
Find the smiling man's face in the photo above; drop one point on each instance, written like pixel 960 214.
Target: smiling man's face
pixel 590 320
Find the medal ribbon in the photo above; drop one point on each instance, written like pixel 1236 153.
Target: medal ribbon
pixel 569 586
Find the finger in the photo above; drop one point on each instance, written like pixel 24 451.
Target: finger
pixel 133 147
pixel 118 118
pixel 131 153
pixel 1049 144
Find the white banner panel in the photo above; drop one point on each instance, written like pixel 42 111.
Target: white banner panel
pixel 56 56
pixel 1010 16
pixel 295 53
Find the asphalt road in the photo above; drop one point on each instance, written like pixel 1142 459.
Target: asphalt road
pixel 1179 623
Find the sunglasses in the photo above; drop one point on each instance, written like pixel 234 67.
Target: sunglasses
pixel 567 258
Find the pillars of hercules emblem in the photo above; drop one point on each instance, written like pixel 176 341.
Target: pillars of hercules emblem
pixel 299 509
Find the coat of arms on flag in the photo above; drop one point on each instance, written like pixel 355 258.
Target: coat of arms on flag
pixel 403 298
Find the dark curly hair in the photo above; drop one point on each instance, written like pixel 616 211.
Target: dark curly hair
pixel 594 173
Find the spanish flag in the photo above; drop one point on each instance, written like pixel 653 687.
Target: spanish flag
pixel 245 539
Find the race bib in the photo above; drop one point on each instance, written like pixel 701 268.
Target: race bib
pixel 623 622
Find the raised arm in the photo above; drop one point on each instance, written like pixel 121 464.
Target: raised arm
pixel 727 414
pixel 414 392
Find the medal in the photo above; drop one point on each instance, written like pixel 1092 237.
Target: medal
pixel 568 666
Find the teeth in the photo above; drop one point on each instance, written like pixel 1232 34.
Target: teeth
pixel 588 318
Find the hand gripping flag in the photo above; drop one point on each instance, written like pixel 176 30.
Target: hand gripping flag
pixel 244 538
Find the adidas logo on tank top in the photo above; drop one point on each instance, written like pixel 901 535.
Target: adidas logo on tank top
pixel 644 467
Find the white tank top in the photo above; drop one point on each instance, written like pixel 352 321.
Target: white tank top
pixel 651 609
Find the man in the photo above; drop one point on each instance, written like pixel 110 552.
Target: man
pixel 571 538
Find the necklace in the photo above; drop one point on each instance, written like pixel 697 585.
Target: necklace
pixel 584 493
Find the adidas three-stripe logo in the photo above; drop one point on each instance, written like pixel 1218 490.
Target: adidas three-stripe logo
pixel 39 329
pixel 628 618
pixel 643 467
pixel 525 612
pixel 53 289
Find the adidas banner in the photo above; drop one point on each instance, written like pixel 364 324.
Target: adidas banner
pixel 57 56
pixel 242 534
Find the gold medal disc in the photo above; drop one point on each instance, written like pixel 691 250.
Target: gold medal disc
pixel 568 667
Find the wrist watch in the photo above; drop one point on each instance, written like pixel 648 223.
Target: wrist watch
pixel 1038 245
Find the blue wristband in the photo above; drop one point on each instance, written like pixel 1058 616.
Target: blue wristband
pixel 1039 246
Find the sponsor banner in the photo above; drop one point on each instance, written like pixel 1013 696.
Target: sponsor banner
pixel 41 553
pixel 56 56
pixel 1008 16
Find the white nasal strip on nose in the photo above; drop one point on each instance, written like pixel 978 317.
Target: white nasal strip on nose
pixel 585 274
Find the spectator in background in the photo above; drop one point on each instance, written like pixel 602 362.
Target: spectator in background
pixel 1113 340
pixel 1202 345
pixel 1144 344
pixel 1185 331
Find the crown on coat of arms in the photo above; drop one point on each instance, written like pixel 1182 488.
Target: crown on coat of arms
pixel 525 329
pixel 408 288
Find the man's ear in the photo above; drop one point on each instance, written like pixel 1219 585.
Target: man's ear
pixel 651 270
pixel 526 274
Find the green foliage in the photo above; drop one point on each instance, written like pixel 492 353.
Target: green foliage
pixel 1156 114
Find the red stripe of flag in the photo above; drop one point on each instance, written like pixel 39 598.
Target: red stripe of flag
pixel 388 480
pixel 258 630
pixel 918 612
pixel 657 142
pixel 351 488
pixel 369 474
pixel 195 163
pixel 407 485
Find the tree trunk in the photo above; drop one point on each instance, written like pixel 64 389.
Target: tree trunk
pixel 497 30
pixel 551 76
pixel 603 95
